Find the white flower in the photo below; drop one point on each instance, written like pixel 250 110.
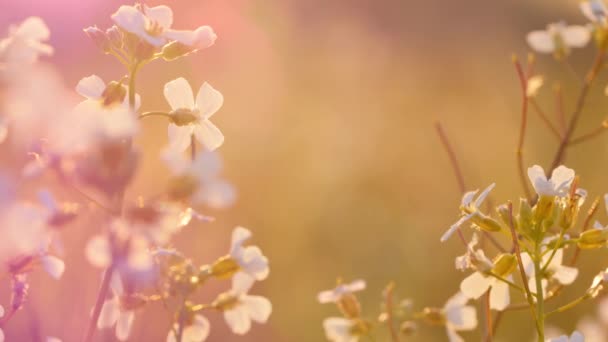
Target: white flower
pixel 557 185
pixel 198 331
pixel 469 209
pixel 24 43
pixel 473 258
pixel 594 10
pixel 24 230
pixel 564 275
pixel 178 94
pixel 104 114
pixel 52 265
pixel 101 251
pixel 335 295
pixel 206 167
pixel 459 316
pixel 575 337
pixel 338 329
pixel 153 24
pixel 475 285
pixel 250 259
pixel 559 38
pixel 243 308
pixel 114 313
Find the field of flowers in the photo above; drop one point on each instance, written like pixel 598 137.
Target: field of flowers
pixel 303 171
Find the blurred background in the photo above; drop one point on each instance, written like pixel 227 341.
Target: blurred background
pixel 329 120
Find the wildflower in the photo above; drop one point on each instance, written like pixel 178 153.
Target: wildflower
pixel 240 308
pixel 559 38
pixel 338 329
pixel 557 185
pixel 190 117
pixel 25 42
pixel 470 210
pixel 336 294
pixel 478 283
pixel 209 188
pixel 458 316
pixel 473 258
pixel 248 260
pixel 24 230
pixel 343 296
pixel 119 310
pixel 595 11
pixel 564 275
pixel 575 337
pixel 153 24
pixel 198 331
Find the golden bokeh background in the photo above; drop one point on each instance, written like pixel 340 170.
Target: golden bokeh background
pixel 328 117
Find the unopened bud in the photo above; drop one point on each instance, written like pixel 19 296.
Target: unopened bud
pixel 544 208
pixel 114 93
pixel 486 223
pixel 504 264
pixel 433 316
pixel 99 38
pixel 175 50
pixel 225 267
pixel 593 238
pixel 504 214
pixel 525 215
pixel 408 328
pixel 349 306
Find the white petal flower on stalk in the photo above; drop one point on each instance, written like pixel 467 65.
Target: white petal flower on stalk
pixel 113 313
pixel 240 308
pixel 477 284
pixel 557 185
pixel 338 329
pixel 559 38
pixel 180 97
pixel 25 42
pixel 575 337
pixel 206 167
pixel 335 295
pixel 153 24
pixel 458 316
pixel 198 331
pixel 473 258
pixel 595 11
pixel 564 275
pixel 250 259
pixel 469 207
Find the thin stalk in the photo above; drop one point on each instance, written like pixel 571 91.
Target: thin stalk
pixel 545 119
pixel 580 104
pixel 588 136
pixel 522 271
pixel 540 300
pixel 488 314
pixel 523 80
pixel 506 281
pixel 101 297
pixel 192 147
pixel 570 305
pixel 147 114
pixel 390 321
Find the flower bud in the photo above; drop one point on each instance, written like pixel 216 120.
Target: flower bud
pixel 504 264
pixel 114 93
pixel 593 238
pixel 175 50
pixel 544 208
pixel 486 223
pixel 99 37
pixel 408 328
pixel 433 316
pixel 525 215
pixel 505 214
pixel 349 306
pixel 225 267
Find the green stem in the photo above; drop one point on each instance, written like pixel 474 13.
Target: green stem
pixel 508 282
pixel 147 114
pixel 540 300
pixel 559 241
pixel 569 305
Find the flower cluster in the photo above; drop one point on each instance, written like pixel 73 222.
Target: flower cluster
pixel 88 147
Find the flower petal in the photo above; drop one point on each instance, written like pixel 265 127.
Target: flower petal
pixel 110 311
pixel 162 15
pixel 178 94
pixel 338 329
pixel 483 195
pixel 91 87
pixel 130 19
pixel 124 324
pixel 259 308
pixel 475 285
pixel 499 296
pixel 576 36
pixel 238 320
pixel 565 275
pixel 541 41
pixel 53 266
pixel 180 137
pixel 208 100
pixel 209 135
pixel 241 283
pixel 98 251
